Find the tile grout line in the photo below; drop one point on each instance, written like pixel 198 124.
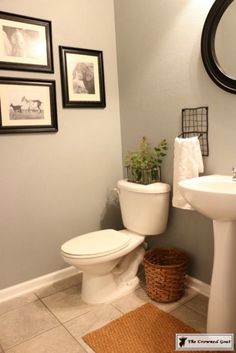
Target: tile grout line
pixel 118 309
pixel 197 312
pixel 42 332
pixel 18 307
pixel 62 323
pixel 65 322
pixel 48 309
pixel 73 337
pixel 37 297
pixel 30 338
pixel 57 291
pixel 193 309
pixel 81 337
pixel 35 335
pixel 1 349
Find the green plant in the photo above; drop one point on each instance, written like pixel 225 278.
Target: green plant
pixel 143 164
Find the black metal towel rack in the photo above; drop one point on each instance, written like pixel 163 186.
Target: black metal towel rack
pixel 195 123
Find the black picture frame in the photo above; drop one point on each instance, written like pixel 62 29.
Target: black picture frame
pixel 27 105
pixel 82 78
pixel 26 43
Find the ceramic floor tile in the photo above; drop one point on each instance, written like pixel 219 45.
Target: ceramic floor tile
pixel 59 286
pixel 67 304
pixel 199 304
pixel 140 297
pixel 191 318
pixel 131 301
pixel 57 340
pixel 24 323
pixel 100 316
pixel 17 302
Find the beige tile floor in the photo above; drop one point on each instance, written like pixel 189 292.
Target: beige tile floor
pixel 54 318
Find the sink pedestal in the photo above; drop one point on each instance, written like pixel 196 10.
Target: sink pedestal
pixel 214 196
pixel 222 308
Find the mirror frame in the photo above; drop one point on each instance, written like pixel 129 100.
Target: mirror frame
pixel 212 66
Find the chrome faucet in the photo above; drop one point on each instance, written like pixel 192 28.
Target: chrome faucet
pixel 234 173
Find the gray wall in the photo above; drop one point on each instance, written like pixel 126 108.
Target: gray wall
pixel 56 186
pixel 161 72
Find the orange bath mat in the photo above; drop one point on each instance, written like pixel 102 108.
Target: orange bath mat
pixel 144 330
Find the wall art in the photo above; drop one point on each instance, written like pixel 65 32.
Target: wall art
pixel 25 43
pixel 27 105
pixel 82 78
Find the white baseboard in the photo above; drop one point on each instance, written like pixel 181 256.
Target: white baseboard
pixel 198 285
pixel 39 282
pixel 36 283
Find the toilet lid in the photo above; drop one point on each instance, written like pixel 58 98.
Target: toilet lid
pixel 96 243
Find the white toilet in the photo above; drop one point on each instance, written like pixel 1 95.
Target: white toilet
pixel 109 259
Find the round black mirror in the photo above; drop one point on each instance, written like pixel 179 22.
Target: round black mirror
pixel 218 73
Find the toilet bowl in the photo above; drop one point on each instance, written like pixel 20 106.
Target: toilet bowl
pixel 109 259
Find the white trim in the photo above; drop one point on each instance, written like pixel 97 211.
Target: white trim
pixel 36 283
pixel 198 285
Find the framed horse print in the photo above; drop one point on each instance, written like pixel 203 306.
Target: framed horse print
pixel 27 105
pixel 25 43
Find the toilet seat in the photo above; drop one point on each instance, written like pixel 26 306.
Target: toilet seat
pixel 95 244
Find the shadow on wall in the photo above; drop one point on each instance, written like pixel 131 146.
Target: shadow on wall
pixel 111 217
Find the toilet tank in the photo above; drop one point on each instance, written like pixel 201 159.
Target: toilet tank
pixel 144 208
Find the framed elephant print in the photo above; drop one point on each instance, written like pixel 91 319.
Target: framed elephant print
pixel 82 78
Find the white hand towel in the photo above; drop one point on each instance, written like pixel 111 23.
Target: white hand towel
pixel 188 163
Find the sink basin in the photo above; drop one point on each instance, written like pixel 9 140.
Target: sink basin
pixel 215 197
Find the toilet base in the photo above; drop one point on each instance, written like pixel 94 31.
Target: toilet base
pixel 104 289
pixel 107 278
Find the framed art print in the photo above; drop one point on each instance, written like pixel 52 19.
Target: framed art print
pixel 27 105
pixel 25 43
pixel 82 78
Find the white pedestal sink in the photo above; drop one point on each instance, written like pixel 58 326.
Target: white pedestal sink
pixel 215 197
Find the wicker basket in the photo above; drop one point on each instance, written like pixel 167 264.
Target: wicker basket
pixel 165 271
